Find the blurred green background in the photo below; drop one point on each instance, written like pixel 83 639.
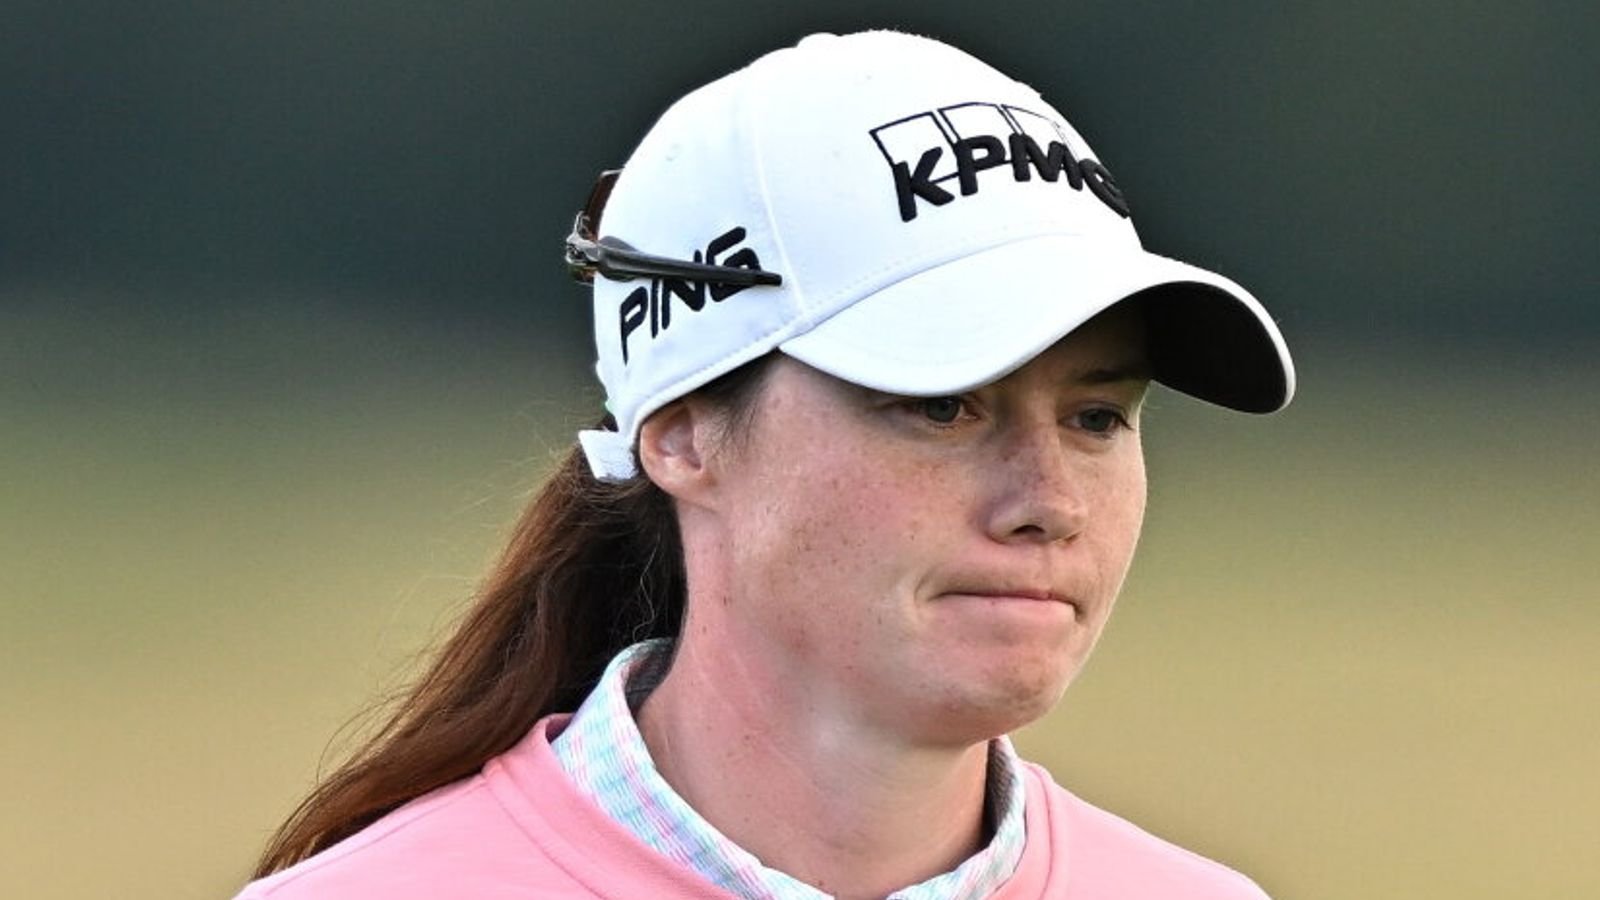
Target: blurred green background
pixel 284 344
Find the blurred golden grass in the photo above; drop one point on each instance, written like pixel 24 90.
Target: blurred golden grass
pixel 1357 657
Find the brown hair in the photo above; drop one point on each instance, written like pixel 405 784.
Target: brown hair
pixel 591 567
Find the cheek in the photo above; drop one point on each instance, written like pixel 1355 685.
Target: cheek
pixel 1121 519
pixel 1128 500
pixel 832 539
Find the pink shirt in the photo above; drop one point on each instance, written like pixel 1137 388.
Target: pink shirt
pixel 519 829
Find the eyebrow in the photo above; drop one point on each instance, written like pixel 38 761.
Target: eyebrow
pixel 1113 374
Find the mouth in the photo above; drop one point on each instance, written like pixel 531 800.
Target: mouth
pixel 1020 595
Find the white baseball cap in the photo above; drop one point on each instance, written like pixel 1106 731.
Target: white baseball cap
pixel 895 213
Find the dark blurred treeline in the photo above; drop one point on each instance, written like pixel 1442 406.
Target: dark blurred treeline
pixel 1383 170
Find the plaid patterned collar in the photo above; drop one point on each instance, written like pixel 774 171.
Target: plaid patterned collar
pixel 606 758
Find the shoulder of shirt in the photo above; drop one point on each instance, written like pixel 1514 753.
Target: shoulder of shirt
pixel 514 831
pixel 453 837
pixel 371 848
pixel 1107 854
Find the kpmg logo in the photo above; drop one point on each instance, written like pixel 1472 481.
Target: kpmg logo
pixel 935 153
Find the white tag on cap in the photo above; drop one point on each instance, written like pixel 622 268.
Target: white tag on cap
pixel 610 454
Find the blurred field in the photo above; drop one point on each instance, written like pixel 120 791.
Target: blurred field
pixel 1358 656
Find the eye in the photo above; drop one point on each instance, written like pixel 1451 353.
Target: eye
pixel 941 410
pixel 1101 420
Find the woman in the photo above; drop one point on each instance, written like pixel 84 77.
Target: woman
pixel 875 329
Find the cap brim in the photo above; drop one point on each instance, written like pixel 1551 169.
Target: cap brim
pixel 971 321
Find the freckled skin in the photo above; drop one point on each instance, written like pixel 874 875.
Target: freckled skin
pixel 871 554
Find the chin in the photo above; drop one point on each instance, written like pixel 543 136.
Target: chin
pixel 1024 703
pixel 982 709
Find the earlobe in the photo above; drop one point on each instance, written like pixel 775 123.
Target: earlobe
pixel 672 448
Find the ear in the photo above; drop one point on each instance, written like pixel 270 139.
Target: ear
pixel 674 447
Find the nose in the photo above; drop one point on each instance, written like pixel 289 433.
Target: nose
pixel 1040 496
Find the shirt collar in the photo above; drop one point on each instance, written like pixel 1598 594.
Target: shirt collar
pixel 604 754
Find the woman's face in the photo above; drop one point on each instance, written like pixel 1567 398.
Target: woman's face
pixel 939 568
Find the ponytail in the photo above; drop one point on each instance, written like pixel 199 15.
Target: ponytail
pixel 591 568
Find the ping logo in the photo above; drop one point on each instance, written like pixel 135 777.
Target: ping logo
pixel 928 150
pixel 654 303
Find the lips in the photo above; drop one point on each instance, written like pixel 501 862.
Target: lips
pixel 1043 595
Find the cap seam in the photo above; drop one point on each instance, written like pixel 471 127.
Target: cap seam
pixel 755 137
